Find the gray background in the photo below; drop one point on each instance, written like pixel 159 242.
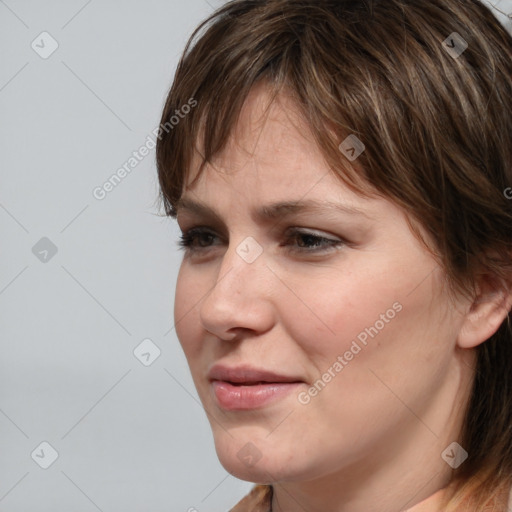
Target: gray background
pixel 129 437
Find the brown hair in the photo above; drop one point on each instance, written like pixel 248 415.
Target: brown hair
pixel 437 130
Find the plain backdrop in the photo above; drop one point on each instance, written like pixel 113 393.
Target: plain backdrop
pixel 90 419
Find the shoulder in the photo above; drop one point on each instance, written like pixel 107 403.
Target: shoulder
pixel 258 500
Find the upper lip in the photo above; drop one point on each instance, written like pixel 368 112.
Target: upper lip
pixel 249 374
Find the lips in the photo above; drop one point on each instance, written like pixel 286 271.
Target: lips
pixel 248 375
pixel 244 387
pixel 248 383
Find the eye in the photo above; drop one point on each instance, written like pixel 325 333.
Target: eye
pixel 310 242
pixel 189 238
pixel 199 239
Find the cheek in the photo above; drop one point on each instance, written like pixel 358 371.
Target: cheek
pixel 187 296
pixel 373 325
pixel 327 313
pixel 375 319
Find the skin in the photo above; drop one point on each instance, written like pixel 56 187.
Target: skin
pixel 373 437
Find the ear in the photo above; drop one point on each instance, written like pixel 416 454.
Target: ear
pixel 490 308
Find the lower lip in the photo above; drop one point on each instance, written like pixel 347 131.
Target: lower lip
pixel 231 397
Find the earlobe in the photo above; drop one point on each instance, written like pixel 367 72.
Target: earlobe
pixel 485 315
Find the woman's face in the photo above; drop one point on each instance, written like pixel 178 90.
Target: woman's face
pixel 350 301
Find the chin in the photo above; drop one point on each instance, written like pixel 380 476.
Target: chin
pixel 256 459
pixel 257 474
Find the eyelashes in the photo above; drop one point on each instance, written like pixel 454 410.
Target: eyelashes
pixel 197 240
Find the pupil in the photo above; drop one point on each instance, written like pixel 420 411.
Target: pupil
pixel 309 239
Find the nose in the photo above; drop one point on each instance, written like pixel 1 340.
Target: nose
pixel 239 298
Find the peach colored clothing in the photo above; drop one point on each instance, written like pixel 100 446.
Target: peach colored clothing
pixel 260 500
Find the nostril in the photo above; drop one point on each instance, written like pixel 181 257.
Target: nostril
pixel 233 335
pixel 223 338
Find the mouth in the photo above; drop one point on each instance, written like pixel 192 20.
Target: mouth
pixel 244 387
pixel 245 396
pixel 248 375
pixel 256 383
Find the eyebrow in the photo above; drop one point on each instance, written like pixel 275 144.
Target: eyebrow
pixel 274 211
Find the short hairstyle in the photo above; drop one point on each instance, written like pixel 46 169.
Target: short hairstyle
pixel 437 130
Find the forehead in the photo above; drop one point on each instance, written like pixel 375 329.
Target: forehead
pixel 272 166
pixel 269 132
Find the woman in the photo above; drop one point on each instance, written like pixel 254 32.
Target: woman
pixel 341 173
